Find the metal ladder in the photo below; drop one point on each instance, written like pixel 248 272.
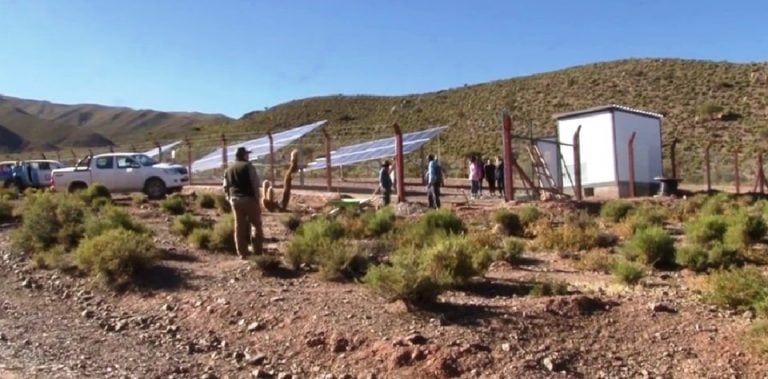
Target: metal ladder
pixel 543 175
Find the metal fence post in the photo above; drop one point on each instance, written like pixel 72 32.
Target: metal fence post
pixel 399 164
pixel 577 163
pixel 509 183
pixel 631 156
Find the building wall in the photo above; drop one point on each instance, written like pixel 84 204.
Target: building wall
pixel 597 155
pixel 647 146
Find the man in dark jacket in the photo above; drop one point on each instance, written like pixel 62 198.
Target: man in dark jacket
pixel 490 176
pixel 385 182
pixel 500 175
pixel 241 186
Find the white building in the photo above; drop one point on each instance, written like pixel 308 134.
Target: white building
pixel 604 137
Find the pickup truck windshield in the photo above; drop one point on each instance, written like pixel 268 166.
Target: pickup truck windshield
pixel 144 160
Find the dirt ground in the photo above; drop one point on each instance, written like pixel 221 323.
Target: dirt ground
pixel 202 315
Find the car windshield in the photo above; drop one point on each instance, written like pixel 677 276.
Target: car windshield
pixel 144 160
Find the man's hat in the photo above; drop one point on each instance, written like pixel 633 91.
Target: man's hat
pixel 242 151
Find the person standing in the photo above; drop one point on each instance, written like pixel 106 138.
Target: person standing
pixel 385 183
pixel 475 175
pixel 434 181
pixel 490 176
pixel 500 175
pixel 241 187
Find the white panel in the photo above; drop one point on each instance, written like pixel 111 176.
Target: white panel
pixel 549 152
pixel 647 146
pixel 596 137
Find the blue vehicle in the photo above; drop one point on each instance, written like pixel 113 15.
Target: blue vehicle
pixel 25 174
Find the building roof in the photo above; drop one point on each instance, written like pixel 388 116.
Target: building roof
pixel 609 107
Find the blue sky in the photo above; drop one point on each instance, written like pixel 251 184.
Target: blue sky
pixel 233 57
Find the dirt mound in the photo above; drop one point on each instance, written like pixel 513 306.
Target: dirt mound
pixel 573 306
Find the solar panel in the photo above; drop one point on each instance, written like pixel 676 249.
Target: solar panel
pixel 259 147
pixel 381 148
pixel 153 153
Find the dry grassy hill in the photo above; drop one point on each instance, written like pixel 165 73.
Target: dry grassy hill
pixel 691 94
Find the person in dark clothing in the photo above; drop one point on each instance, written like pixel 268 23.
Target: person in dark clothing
pixel 490 176
pixel 434 181
pixel 241 187
pixel 500 175
pixel 385 182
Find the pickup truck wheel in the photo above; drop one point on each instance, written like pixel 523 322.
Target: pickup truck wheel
pixel 78 186
pixel 155 189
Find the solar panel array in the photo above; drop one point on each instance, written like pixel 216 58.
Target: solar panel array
pixel 153 153
pixel 259 147
pixel 378 149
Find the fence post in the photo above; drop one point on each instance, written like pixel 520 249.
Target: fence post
pixel 159 151
pixel 577 163
pixel 506 135
pixel 631 156
pixel 224 163
pixel 673 157
pixel 399 164
pixel 189 159
pixel 328 168
pixel 271 157
pixel 760 182
pixel 736 169
pixel 707 167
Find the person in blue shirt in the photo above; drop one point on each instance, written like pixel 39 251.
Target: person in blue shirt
pixel 434 182
pixel 385 183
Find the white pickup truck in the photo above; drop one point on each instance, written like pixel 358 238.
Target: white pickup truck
pixel 122 172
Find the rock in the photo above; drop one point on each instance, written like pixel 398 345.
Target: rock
pixel 402 357
pixel 284 375
pixel 418 355
pixel 555 363
pixel 276 299
pixel 209 375
pixel 191 348
pixel 168 308
pixel 121 325
pixel 27 283
pixel 254 327
pixel 505 347
pixel 172 329
pixel 416 339
pixel 3 337
pixel 238 356
pixel 255 360
pixel 397 307
pixel 262 374
pixel 89 313
pixel 749 315
pixel 315 341
pixel 662 307
pixel 340 345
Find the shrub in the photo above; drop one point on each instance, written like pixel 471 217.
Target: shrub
pixel 722 256
pixel 693 257
pixel 342 261
pixel 455 260
pixel 640 218
pixel 652 246
pixel 96 194
pixel 184 225
pixel 572 236
pixel 222 204
pixel 293 222
pixel 116 256
pixel 509 222
pixel 756 338
pixel 200 238
pixel 432 226
pixel 174 204
pixel 380 222
pixel 443 219
pixel 49 219
pixel 139 199
pixel 111 218
pixel 744 288
pixel 529 215
pixel 614 211
pixel 744 230
pixel 549 287
pixel 312 239
pixel 8 194
pixel 266 262
pixel 6 210
pixel 597 260
pixel 628 272
pixel 511 250
pixel 206 201
pixel 716 205
pixel 706 229
pixel 223 235
pixel 56 257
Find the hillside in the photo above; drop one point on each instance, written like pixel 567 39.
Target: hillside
pixel 682 90
pixel 42 123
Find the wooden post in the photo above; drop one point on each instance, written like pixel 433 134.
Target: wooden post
pixel 271 157
pixel 760 181
pixel 577 163
pixel 328 168
pixel 631 156
pixel 399 164
pixel 111 149
pixel 707 167
pixel 673 157
pixel 224 163
pixel 159 151
pixel 189 159
pixel 506 136
pixel 736 169
pixel 58 155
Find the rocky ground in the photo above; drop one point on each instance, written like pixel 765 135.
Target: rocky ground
pixel 202 315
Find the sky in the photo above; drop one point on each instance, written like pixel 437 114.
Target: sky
pixel 236 56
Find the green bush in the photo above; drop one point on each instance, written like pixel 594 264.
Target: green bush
pixel 756 338
pixel 652 246
pixel 139 199
pixel 6 210
pixel 716 205
pixel 206 201
pixel 597 260
pixel 313 239
pixel 628 272
pixel 454 260
pixel 96 195
pixel 222 204
pixel 174 204
pixel 293 222
pixel 574 235
pixel 57 257
pixel 693 257
pixel 549 287
pixel 116 256
pixel 8 194
pixel 722 256
pixel 445 220
pixel 529 215
pixel 705 229
pixel 380 222
pixel 434 225
pixel 49 219
pixel 341 260
pixel 511 250
pixel 201 238
pixel 614 211
pixel 743 288
pixel 223 235
pixel 109 218
pixel 509 222
pixel 184 225
pixel 744 230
